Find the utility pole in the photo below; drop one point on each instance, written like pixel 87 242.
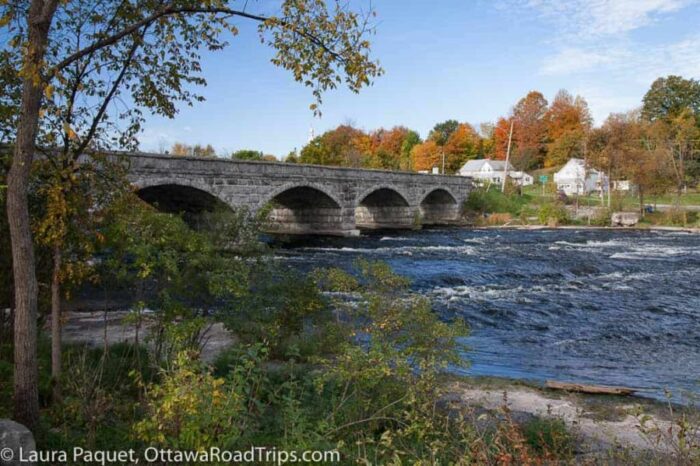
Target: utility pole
pixel 443 160
pixel 505 173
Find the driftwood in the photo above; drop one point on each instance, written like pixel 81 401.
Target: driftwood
pixel 592 389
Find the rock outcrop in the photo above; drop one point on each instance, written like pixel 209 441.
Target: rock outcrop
pixel 14 437
pixel 624 219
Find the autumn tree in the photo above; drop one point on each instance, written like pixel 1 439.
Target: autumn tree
pixel 568 122
pixel 487 141
pixel 529 131
pixel 625 147
pixel 185 150
pixel 344 146
pixel 427 155
pixel 390 149
pixel 151 53
pixel 499 137
pixel 462 145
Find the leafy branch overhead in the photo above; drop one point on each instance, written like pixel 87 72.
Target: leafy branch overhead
pixel 107 62
pixel 78 75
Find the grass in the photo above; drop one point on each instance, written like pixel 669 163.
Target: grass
pixel 549 436
pixel 492 207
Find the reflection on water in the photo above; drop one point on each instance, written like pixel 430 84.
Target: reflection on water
pixel 597 306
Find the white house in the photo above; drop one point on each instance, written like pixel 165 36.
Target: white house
pixel 621 185
pixel 575 178
pixel 521 178
pixel 487 171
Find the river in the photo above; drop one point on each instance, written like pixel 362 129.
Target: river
pixel 616 307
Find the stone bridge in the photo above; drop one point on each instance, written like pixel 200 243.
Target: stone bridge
pixel 303 199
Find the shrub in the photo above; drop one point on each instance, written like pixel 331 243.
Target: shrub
pixel 484 201
pixel 497 219
pixel 549 436
pixel 675 217
pixel 601 218
pixel 190 409
pixel 285 310
pixel 96 408
pixel 553 214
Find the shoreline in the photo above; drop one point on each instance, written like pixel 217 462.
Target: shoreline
pixel 597 422
pixel 692 230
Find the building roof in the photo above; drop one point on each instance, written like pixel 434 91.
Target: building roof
pixel 576 164
pixel 476 165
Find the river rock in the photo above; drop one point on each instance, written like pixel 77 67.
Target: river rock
pixel 14 436
pixel 624 219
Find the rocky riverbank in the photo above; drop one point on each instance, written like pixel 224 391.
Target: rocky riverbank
pixel 599 424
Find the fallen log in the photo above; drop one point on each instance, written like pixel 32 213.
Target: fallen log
pixel 591 389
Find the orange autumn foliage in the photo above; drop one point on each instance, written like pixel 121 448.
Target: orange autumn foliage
pixel 426 156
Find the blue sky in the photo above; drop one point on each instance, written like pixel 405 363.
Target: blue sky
pixel 470 60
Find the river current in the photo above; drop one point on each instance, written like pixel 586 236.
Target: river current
pixel 616 307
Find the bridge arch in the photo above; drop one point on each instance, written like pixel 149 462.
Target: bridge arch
pixel 439 206
pixel 383 207
pixel 304 209
pixel 179 196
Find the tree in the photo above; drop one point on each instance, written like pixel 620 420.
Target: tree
pixel 390 149
pixel 679 139
pixel 673 105
pixel 184 150
pixel 180 150
pixel 247 154
pixel 626 147
pixel 529 131
pixel 292 157
pixel 668 97
pixel 441 132
pixel 411 140
pixel 426 156
pixel 154 45
pixel 344 146
pixel 568 123
pixel 462 145
pixel 487 141
pixel 499 136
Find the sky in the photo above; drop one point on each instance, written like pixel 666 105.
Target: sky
pixel 469 60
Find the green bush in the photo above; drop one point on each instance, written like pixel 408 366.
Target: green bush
pixel 487 201
pixel 553 214
pixel 549 436
pixel 287 312
pixel 601 218
pixel 190 409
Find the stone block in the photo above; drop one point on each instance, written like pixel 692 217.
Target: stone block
pixel 13 438
pixel 624 219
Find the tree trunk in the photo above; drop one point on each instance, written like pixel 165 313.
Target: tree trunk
pixel 26 394
pixel 56 324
